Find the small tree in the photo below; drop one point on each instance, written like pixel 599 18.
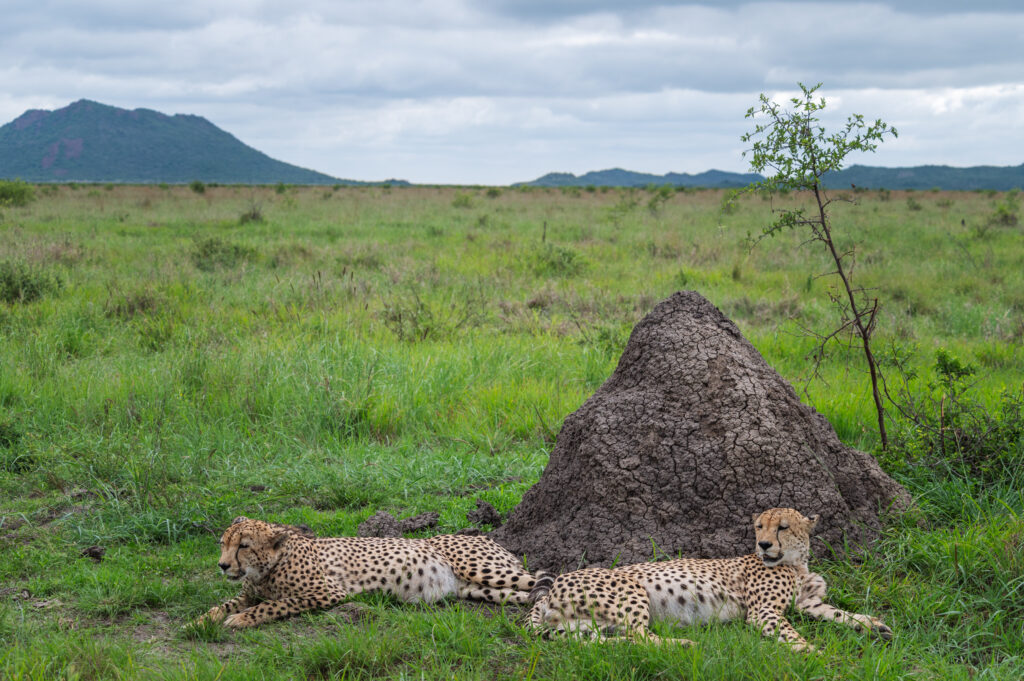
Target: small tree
pixel 796 149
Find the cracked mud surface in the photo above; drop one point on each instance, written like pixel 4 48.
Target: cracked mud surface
pixel 692 434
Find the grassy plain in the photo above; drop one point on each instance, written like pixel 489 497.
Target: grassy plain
pixel 315 355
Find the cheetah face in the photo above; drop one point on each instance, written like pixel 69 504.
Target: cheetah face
pixel 783 536
pixel 249 549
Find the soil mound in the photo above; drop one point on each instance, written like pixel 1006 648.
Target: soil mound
pixel 690 436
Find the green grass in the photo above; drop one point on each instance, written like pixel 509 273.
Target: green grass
pixel 415 349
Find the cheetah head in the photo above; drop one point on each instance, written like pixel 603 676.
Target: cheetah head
pixel 249 549
pixel 783 536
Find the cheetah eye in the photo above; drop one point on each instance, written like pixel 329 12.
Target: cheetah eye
pixel 243 546
pixel 760 527
pixel 783 527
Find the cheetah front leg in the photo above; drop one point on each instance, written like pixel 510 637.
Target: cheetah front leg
pixel 811 600
pixel 268 611
pixel 770 619
pixel 219 612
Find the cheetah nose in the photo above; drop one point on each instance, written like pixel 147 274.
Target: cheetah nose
pixel 224 566
pixel 765 545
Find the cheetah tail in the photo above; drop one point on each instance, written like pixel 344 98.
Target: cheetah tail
pixel 541 586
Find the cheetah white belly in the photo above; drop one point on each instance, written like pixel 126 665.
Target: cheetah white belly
pixel 421 579
pixel 678 600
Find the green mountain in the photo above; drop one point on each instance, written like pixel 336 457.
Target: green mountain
pixel 1001 178
pixel 91 142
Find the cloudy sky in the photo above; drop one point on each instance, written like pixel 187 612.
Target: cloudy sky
pixel 499 91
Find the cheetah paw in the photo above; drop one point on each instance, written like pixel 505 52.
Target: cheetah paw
pixel 237 621
pixel 881 630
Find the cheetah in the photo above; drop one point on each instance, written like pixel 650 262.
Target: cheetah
pixel 285 570
pixel 620 603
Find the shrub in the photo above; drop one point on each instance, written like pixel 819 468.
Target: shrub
pixel 127 305
pixel 197 186
pixel 913 204
pixel 255 214
pixel 659 198
pixel 944 427
pixel 1005 213
pixel 16 193
pixel 414 317
pixel 553 260
pixel 215 253
pixel 493 192
pixel 22 284
pixel 462 201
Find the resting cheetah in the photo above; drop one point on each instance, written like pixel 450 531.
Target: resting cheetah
pixel 291 571
pixel 759 586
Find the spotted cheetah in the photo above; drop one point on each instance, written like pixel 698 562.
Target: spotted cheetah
pixel 285 571
pixel 609 603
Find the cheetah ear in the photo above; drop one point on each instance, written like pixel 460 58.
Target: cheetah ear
pixel 239 519
pixel 278 540
pixel 812 522
pixel 755 516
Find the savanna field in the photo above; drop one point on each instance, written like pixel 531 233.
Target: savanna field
pixel 171 358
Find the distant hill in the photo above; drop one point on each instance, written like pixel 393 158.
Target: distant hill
pixel 617 177
pixel 1001 178
pixel 919 177
pixel 91 142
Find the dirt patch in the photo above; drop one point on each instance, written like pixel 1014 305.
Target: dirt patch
pixel 11 523
pixel 15 593
pixel 95 553
pixel 383 524
pixel 484 514
pixel 61 512
pixel 158 630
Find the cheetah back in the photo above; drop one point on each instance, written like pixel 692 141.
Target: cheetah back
pixel 481 560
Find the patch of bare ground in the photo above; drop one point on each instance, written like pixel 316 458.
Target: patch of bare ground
pixel 60 511
pixel 158 629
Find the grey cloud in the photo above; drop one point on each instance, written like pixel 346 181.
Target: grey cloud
pixel 547 11
pixel 121 15
pixel 688 45
pixel 466 89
